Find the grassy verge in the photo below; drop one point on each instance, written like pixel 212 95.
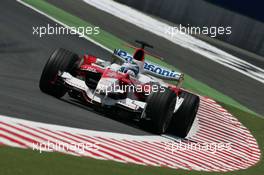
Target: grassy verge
pixel 20 161
pixel 112 42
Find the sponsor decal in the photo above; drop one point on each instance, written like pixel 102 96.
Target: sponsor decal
pixel 91 69
pixel 123 54
pixel 149 67
pixel 160 70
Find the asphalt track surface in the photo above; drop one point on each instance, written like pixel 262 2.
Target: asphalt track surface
pixel 22 58
pixel 247 91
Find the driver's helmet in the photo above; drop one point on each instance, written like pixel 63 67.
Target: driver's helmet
pixel 130 68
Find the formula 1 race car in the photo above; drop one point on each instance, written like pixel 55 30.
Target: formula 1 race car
pixel 128 83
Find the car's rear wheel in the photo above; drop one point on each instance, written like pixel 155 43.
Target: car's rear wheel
pixel 183 119
pixel 60 60
pixel 160 107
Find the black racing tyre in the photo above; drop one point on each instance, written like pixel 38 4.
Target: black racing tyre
pixel 60 60
pixel 183 119
pixel 160 107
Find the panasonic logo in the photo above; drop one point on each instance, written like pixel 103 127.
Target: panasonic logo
pixel 159 70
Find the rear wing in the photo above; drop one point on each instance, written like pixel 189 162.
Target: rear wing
pixel 120 56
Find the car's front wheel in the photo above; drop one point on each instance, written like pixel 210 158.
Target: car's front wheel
pixel 160 107
pixel 60 60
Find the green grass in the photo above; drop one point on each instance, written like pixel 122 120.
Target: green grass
pixel 19 161
pixel 112 42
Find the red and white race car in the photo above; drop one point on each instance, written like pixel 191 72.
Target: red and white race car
pixel 129 84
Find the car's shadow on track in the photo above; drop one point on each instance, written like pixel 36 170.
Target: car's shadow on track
pixel 125 119
pixel 105 113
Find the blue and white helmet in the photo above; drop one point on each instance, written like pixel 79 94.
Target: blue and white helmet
pixel 130 68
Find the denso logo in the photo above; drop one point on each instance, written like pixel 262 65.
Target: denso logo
pixel 159 70
pixel 91 69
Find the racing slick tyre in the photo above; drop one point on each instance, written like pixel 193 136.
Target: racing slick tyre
pixel 183 119
pixel 60 60
pixel 160 107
